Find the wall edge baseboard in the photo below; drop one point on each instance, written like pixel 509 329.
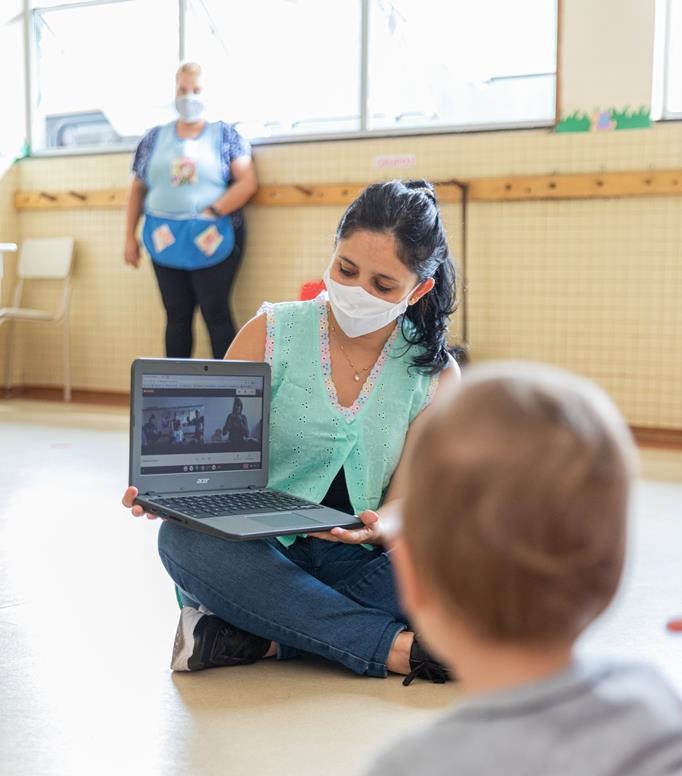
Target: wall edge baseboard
pixel 78 395
pixel 646 436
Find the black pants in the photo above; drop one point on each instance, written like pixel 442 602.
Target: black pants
pixel 182 290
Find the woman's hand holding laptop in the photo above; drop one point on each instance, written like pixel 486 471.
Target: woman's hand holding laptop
pixel 128 502
pixel 372 531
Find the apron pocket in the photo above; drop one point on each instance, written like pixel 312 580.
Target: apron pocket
pixel 188 243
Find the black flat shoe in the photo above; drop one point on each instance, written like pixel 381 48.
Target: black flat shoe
pixel 203 641
pixel 425 667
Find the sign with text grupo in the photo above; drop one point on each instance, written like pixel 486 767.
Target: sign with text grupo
pixel 395 161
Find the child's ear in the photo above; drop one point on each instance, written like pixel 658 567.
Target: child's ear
pixel 410 586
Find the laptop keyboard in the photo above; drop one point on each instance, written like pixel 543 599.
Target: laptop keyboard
pixel 234 503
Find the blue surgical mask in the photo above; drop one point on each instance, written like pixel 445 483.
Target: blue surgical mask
pixel 190 107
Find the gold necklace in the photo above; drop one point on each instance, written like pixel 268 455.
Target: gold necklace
pixel 357 371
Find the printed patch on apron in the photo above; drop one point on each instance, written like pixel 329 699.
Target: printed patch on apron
pixel 183 171
pixel 209 240
pixel 162 237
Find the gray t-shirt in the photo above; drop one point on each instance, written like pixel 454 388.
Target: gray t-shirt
pixel 596 718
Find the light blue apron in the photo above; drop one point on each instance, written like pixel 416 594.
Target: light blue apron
pixel 183 177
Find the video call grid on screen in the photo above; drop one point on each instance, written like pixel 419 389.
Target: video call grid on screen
pixel 200 423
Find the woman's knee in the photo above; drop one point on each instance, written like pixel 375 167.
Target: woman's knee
pixel 170 539
pixel 186 547
pixel 195 551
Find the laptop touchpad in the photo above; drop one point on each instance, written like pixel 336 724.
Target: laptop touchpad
pixel 284 521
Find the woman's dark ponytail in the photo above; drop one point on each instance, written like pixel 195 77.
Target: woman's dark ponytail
pixel 409 211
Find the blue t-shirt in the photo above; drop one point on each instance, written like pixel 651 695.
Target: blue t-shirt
pixel 232 146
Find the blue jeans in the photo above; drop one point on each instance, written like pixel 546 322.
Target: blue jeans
pixel 335 600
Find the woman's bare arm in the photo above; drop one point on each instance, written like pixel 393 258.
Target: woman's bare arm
pixel 249 344
pixel 138 191
pixel 243 186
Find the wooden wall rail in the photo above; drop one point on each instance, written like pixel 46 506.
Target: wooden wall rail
pixel 59 200
pixel 661 438
pixel 505 189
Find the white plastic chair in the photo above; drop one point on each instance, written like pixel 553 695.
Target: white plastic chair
pixel 41 259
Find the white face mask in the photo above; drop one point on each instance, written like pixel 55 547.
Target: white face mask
pixel 191 107
pixel 358 312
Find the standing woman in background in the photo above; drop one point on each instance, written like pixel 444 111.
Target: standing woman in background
pixel 192 177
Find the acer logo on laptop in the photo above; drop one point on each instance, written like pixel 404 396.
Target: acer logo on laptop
pixel 202 481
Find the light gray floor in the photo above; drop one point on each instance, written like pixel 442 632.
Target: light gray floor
pixel 87 618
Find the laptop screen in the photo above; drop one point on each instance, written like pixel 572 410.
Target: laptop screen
pixel 201 423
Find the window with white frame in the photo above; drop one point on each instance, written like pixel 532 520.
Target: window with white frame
pixel 461 64
pixel 672 81
pixel 288 69
pixel 280 67
pixel 102 72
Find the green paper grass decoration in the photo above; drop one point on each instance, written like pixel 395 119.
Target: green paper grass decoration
pixel 605 120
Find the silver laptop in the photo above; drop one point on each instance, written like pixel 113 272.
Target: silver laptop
pixel 199 450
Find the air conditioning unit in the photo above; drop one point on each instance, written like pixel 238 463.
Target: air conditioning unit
pixel 84 128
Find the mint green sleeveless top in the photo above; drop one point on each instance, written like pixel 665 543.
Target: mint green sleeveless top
pixel 311 435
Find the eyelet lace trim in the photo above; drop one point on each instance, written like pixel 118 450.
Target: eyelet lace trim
pixel 349 413
pixel 269 309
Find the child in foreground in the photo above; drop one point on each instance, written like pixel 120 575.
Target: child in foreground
pixel 513 540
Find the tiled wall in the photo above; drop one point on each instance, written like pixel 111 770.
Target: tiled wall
pixel 592 285
pixel 9 233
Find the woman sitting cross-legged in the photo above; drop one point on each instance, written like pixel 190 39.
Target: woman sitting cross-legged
pixel 353 373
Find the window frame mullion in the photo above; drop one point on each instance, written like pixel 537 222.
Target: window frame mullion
pixel 29 72
pixel 182 30
pixel 364 64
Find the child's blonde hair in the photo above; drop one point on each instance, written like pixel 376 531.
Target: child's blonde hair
pixel 516 508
